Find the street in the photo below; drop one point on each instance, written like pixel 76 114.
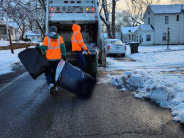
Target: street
pixel 27 110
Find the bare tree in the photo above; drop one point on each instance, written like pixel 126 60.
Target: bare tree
pixel 178 1
pixel 34 11
pixel 133 15
pixel 113 27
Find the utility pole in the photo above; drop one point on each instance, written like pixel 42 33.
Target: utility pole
pixel 168 37
pixel 6 16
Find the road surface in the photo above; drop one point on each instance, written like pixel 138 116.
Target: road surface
pixel 27 110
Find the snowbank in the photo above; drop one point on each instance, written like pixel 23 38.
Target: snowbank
pixel 156 74
pixel 8 59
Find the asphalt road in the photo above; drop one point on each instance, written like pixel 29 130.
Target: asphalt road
pixel 27 110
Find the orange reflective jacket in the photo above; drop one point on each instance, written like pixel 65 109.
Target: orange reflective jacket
pixel 53 50
pixel 77 41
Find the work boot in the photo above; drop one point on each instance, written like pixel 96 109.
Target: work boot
pixel 51 88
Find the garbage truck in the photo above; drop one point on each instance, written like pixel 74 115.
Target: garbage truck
pixel 63 14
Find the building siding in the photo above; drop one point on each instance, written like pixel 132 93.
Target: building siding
pixel 151 16
pixel 161 27
pixel 182 23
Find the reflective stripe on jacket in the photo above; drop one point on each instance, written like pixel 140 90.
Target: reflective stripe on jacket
pixel 77 41
pixel 53 50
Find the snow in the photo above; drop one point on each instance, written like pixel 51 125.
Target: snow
pixel 146 27
pixel 4 23
pixel 7 43
pixel 30 33
pixel 158 9
pixel 126 30
pixel 155 74
pixel 4 43
pixel 8 59
pixel 14 24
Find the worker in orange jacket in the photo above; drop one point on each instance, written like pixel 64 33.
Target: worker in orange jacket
pixel 54 45
pixel 78 46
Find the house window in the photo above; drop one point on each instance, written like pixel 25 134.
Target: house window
pixel 129 37
pixel 2 30
pixel 11 31
pixel 129 30
pixel 149 20
pixel 166 19
pixel 132 37
pixel 177 18
pixel 148 12
pixel 164 37
pixel 148 37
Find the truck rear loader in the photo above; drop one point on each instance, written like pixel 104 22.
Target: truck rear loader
pixel 63 14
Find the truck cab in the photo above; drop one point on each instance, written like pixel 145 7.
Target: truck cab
pixel 63 14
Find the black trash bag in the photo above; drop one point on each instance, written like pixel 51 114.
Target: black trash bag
pixel 34 61
pixel 74 80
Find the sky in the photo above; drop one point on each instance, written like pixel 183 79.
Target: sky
pixel 122 3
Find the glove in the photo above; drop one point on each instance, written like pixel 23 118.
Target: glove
pixel 88 52
pixel 64 58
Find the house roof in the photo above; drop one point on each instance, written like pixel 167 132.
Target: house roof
pixel 4 23
pixel 146 27
pixel 30 33
pixel 126 30
pixel 14 24
pixel 162 9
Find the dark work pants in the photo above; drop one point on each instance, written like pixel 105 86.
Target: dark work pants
pixel 80 60
pixel 51 71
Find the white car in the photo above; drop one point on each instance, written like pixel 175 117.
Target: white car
pixel 115 47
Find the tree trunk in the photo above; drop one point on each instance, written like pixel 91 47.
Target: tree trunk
pixel 113 18
pixel 107 26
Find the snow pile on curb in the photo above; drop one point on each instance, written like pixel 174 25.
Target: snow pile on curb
pixel 167 95
pixel 8 59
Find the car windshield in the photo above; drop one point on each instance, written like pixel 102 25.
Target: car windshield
pixel 116 42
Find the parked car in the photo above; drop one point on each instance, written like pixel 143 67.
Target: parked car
pixel 115 47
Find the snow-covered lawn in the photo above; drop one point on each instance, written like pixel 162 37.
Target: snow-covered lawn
pixel 8 59
pixel 7 43
pixel 157 74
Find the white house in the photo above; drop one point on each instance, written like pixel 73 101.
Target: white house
pixel 17 30
pixel 3 31
pixel 166 21
pixel 33 35
pixel 127 34
pixel 145 34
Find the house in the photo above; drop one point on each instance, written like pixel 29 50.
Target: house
pixel 17 30
pixel 144 34
pixel 105 36
pixel 167 21
pixel 33 35
pixel 127 34
pixel 3 31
